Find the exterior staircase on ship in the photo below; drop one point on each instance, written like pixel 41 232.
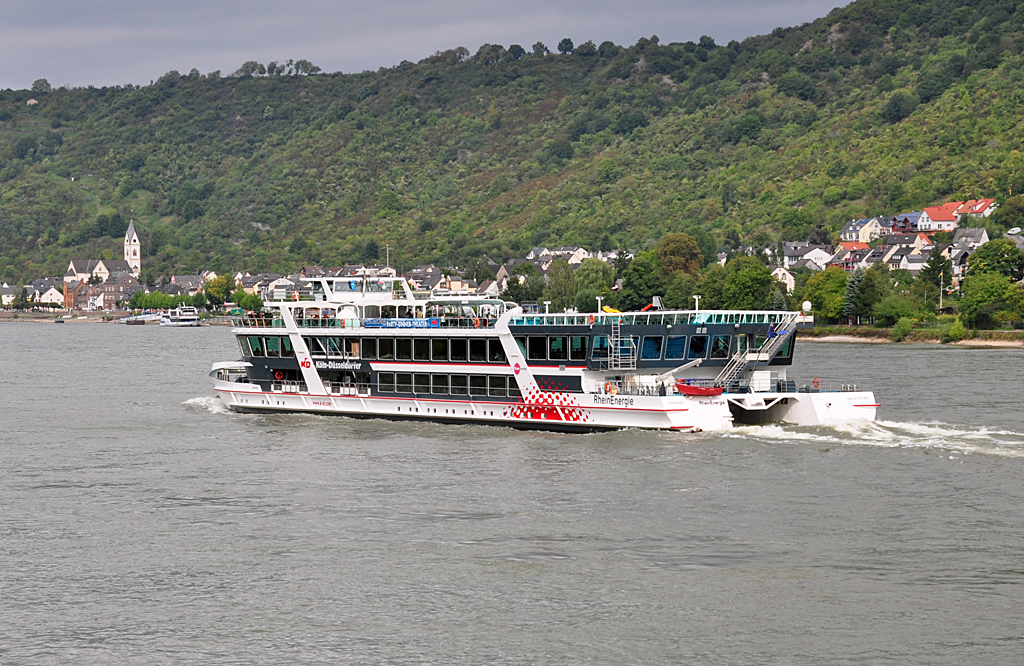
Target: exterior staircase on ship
pixel 729 378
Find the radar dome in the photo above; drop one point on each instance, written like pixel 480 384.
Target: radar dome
pixel 807 306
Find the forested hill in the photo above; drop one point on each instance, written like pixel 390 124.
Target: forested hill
pixel 881 106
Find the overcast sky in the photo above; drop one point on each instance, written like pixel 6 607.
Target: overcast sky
pixel 108 42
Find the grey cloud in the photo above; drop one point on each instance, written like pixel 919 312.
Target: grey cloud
pixel 119 41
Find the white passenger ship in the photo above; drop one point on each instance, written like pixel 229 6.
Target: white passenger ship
pixel 184 315
pixel 367 346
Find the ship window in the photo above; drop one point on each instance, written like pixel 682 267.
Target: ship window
pixel 421 383
pixel 759 341
pixel 496 388
pixel 386 349
pixel 513 388
pixel 386 382
pixel 369 348
pixel 273 346
pixel 556 348
pixel 698 346
pixel 537 349
pixel 460 385
pixel 403 382
pixel 477 385
pixel 244 344
pixel 675 347
pixel 439 349
pixel 720 346
pixel 257 346
pixel 334 346
pixel 521 341
pixel 650 350
pixel 439 384
pixel 478 350
pixel 497 352
pixel 352 347
pixel 459 349
pixel 421 349
pixel 787 348
pixel 286 347
pixel 578 348
pixel 403 349
pixel 316 346
pixel 600 349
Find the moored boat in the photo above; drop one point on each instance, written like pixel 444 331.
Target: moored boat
pixel 367 346
pixel 184 315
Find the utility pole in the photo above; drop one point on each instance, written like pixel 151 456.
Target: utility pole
pixel 696 303
pixel 942 275
pixel 387 255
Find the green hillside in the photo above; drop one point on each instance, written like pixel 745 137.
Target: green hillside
pixel 880 107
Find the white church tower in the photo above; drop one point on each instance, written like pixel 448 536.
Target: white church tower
pixel 133 249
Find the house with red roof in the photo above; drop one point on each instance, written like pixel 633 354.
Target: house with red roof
pixel 940 218
pixel 977 208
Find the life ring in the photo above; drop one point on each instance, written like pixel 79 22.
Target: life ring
pixel 295 295
pixel 815 383
pixel 591 318
pixel 476 323
pixel 341 323
pixel 610 388
pixel 278 375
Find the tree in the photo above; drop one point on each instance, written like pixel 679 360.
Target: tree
pixel 565 47
pixel 191 210
pixel 516 52
pixel 986 298
pixel 526 284
pixel 712 287
pixel 679 252
pixel 641 280
pixel 749 284
pixel 21 301
pixel 586 300
pixel 539 50
pixel 219 288
pixel 371 251
pixel 894 308
pixel 1011 213
pixel 850 297
pixel 872 287
pixel 998 256
pixel 41 86
pixel 596 275
pixel 899 106
pixel 561 288
pixel 586 49
pixel 680 289
pixel 825 291
pixel 938 272
pixel 199 300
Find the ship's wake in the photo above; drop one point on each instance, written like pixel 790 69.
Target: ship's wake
pixel 209 404
pixel 892 434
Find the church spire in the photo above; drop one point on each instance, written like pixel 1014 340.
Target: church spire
pixel 133 249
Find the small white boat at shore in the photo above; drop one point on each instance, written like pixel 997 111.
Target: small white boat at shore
pixel 182 316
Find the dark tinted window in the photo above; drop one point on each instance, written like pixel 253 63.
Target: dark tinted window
pixel 439 349
pixel 368 348
pixel 459 349
pixel 497 386
pixel 386 382
pixel 537 348
pixel 496 351
pixel 557 350
pixel 386 349
pixel 600 349
pixel 650 350
pixel 513 388
pixel 521 341
pixel 257 346
pixel 460 385
pixel 403 349
pixel 273 346
pixel 421 383
pixel 286 347
pixel 477 385
pixel 421 349
pixel 478 350
pixel 439 384
pixel 403 382
pixel 578 348
pixel 698 346
pixel 720 346
pixel 675 348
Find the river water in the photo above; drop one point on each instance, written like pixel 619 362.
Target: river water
pixel 140 523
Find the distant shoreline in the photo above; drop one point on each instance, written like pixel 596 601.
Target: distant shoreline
pixel 877 336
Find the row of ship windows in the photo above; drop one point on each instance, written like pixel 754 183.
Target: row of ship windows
pixel 558 348
pixel 494 386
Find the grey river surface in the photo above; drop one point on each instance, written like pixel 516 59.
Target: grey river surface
pixel 142 524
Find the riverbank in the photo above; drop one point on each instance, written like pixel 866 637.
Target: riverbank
pixel 859 335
